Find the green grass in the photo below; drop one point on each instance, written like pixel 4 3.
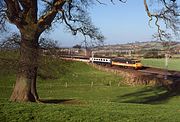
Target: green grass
pixel 173 64
pixel 80 101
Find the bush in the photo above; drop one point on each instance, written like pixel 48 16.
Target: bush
pixel 153 54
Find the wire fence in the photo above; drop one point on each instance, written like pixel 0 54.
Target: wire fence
pixel 48 90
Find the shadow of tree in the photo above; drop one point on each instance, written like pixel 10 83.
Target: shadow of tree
pixel 60 101
pixel 148 95
pixel 155 95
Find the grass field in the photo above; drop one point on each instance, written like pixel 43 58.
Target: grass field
pixel 173 64
pixel 79 100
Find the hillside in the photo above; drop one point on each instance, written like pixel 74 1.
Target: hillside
pixel 139 45
pixel 74 91
pixel 138 48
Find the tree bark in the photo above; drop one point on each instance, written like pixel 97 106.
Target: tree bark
pixel 25 87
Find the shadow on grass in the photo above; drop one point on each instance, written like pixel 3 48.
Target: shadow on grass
pixel 148 95
pixel 61 101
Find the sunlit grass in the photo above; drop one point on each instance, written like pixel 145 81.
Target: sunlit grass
pixel 173 64
pixel 101 101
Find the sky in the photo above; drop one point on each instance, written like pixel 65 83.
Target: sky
pixel 119 23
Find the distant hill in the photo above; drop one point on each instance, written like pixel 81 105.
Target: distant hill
pixel 139 48
pixel 139 45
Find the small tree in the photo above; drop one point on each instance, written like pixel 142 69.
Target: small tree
pixel 77 46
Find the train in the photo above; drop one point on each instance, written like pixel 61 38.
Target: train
pixel 117 61
pixel 121 62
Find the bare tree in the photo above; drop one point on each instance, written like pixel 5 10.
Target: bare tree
pixel 33 17
pixel 166 12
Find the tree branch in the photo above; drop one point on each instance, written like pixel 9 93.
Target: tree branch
pixel 123 1
pixel 46 20
pixel 29 10
pixel 168 14
pixel 13 11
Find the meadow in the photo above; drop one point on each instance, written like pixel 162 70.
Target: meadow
pixel 74 91
pixel 173 64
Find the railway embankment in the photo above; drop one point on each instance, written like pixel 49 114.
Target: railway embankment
pixel 153 77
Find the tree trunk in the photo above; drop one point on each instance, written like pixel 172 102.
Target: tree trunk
pixel 25 87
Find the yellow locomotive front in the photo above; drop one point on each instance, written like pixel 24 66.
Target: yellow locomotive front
pixel 124 62
pixel 137 64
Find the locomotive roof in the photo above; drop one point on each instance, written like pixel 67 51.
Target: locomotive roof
pixel 124 59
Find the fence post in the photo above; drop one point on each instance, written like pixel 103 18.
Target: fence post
pixel 66 84
pixel 50 88
pixel 92 84
pixel 118 84
pixel 109 83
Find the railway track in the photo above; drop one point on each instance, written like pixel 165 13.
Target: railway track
pixel 169 73
pixel 152 76
pixel 156 73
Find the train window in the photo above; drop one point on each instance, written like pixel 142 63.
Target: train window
pixel 137 61
pixel 133 62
